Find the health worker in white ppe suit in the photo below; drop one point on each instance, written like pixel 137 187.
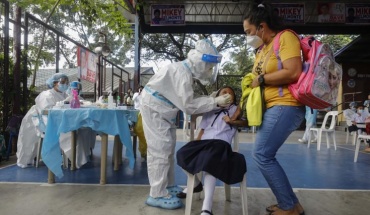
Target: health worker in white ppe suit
pixel 167 92
pixel 34 123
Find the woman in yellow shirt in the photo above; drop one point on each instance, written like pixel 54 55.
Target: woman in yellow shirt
pixel 283 112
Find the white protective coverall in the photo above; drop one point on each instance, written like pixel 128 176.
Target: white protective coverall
pixel 348 113
pixel 30 132
pixel 169 90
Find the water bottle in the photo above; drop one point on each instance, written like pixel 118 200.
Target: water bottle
pixel 110 101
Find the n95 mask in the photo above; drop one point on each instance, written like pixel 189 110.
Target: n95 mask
pixel 254 41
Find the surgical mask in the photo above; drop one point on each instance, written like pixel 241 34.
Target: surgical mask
pixel 354 109
pixel 360 111
pixel 254 41
pixel 62 87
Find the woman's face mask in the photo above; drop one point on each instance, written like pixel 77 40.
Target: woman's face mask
pixel 62 87
pixel 254 41
pixel 360 111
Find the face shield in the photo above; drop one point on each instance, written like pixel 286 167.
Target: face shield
pixel 205 59
pixel 75 85
pixel 63 80
pixel 215 60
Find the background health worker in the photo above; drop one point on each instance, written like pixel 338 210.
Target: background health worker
pixel 33 124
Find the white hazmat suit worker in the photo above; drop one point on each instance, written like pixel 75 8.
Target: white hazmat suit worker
pixel 168 91
pixel 350 112
pixel 33 124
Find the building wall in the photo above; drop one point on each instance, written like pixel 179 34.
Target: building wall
pixel 356 82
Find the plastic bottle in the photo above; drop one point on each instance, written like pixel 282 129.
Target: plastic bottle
pixel 75 102
pixel 110 101
pixel 118 101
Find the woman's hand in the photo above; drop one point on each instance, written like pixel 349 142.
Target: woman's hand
pixel 255 82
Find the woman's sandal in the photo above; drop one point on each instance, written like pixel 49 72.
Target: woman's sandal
pixel 206 211
pixel 270 209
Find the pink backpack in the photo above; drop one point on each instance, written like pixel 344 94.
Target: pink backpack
pixel 317 87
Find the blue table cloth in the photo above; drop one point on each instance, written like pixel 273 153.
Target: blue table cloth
pixel 131 115
pixel 112 122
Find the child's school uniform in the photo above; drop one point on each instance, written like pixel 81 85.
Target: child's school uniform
pixel 213 153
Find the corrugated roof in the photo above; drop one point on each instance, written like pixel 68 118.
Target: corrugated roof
pixel 88 87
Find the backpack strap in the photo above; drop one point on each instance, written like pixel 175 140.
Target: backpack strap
pixel 276 47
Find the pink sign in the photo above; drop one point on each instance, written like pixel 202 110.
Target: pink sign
pixel 86 62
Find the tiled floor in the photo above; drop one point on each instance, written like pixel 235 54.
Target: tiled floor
pixel 326 181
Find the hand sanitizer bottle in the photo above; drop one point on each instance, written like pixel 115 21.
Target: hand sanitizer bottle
pixel 75 102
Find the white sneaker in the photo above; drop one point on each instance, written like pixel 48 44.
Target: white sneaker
pixel 302 141
pixel 314 141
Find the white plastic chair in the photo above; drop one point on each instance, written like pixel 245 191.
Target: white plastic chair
pixel 191 181
pixel 358 143
pixel 328 131
pixel 353 133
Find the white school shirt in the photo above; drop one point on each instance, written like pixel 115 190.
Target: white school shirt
pixel 215 127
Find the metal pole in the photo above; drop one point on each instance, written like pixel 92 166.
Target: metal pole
pixel 57 55
pixel 25 70
pixel 137 53
pixel 101 74
pixel 6 66
pixel 112 88
pixel 99 78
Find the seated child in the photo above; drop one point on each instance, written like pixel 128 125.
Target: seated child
pixel 211 152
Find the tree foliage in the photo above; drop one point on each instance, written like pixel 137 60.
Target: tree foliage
pixel 80 20
pixel 174 47
pixel 336 42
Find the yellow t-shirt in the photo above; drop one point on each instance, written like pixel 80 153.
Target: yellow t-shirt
pixel 289 47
